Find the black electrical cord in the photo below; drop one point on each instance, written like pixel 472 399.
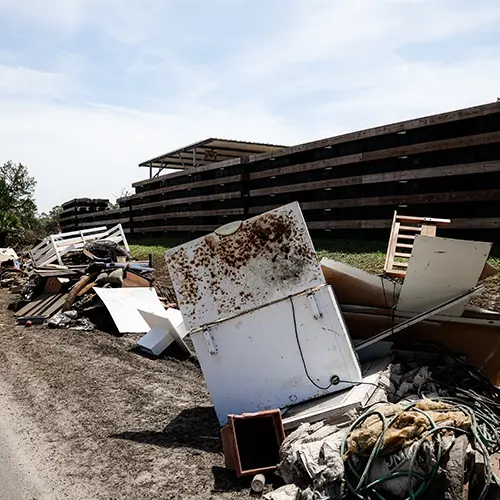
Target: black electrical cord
pixel 391 315
pixel 301 353
pixel 335 380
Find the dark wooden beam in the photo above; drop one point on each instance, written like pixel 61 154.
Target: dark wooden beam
pixel 400 175
pixel 201 228
pixel 188 185
pixel 350 224
pixel 406 199
pixel 394 128
pixel 193 213
pixel 425 147
pixel 192 199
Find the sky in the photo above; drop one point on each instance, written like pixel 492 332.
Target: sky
pixel 90 88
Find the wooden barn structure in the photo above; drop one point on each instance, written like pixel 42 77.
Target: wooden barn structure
pixel 444 166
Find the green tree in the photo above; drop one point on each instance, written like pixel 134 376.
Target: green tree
pixel 49 223
pixel 17 200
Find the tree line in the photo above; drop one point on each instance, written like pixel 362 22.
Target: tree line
pixel 20 222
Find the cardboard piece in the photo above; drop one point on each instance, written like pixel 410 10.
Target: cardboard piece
pixel 354 286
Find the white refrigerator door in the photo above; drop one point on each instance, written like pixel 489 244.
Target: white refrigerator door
pixel 244 266
pixel 253 362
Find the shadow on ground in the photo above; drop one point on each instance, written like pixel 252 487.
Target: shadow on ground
pixel 195 428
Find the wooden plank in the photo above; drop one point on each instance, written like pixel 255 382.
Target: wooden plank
pixel 102 214
pixel 111 221
pixel 391 248
pixel 428 230
pixel 402 255
pixel 476 223
pixel 399 175
pixel 427 220
pixel 394 128
pixel 406 237
pixel 399 264
pixel 200 228
pixel 350 224
pixel 188 185
pixel 473 223
pixel 44 305
pixel 55 306
pixel 403 245
pixel 193 199
pixel 193 213
pixel 404 199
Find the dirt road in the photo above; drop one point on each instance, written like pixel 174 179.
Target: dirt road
pixel 86 417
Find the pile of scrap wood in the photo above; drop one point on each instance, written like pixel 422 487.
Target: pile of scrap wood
pixel 60 281
pixel 12 276
pixel 290 345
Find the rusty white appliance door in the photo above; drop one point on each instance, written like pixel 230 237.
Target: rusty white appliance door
pixel 252 362
pixel 243 266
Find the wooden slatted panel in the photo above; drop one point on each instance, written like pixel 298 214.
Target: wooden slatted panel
pixel 402 224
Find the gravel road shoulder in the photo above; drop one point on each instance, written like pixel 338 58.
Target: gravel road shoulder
pixel 107 422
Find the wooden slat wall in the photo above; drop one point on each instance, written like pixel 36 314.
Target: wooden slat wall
pixel 445 166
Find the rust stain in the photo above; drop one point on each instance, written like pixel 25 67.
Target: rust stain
pixel 273 237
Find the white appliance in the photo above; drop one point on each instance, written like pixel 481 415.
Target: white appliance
pixel 266 358
pixel 267 329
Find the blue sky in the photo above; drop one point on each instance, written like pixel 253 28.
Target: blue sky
pixel 89 88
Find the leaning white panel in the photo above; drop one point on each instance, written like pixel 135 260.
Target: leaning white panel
pixel 124 303
pixel 166 328
pixel 252 362
pixel 441 269
pixel 243 266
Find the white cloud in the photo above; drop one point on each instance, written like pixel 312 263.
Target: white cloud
pixel 15 81
pixel 94 151
pixel 327 67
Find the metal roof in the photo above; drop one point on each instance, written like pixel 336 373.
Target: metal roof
pixel 208 151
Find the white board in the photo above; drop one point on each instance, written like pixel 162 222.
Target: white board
pixel 166 328
pixel 124 303
pixel 440 269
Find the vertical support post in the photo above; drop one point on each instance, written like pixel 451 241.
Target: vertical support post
pixel 125 243
pixel 150 172
pixel 245 186
pixel 59 260
pixel 194 157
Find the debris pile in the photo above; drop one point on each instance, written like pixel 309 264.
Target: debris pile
pixel 344 383
pixel 61 280
pixel 332 351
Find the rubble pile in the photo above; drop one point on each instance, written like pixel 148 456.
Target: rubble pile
pixel 343 383
pixel 57 281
